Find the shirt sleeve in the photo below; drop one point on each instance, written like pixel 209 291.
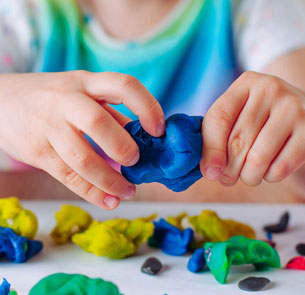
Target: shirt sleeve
pixel 17 36
pixel 266 29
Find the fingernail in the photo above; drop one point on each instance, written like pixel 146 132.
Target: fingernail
pixel 161 127
pixel 213 173
pixel 111 201
pixel 129 192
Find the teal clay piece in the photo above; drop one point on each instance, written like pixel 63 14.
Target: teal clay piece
pixel 73 284
pixel 236 251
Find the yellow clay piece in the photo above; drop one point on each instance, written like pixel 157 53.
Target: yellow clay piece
pixel 12 214
pixel 239 229
pixel 115 238
pixel 176 220
pixel 70 220
pixel 214 229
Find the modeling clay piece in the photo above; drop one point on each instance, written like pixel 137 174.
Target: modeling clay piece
pixel 253 284
pixel 12 215
pixel 115 238
pixel 197 261
pixel 236 251
pixel 214 229
pixel 170 239
pixel 70 220
pixel 300 248
pixel 297 262
pixel 17 249
pixel 68 284
pixel 5 287
pixel 151 266
pixel 172 159
pixel 279 227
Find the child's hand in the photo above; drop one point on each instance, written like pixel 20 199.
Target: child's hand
pixel 43 118
pixel 254 131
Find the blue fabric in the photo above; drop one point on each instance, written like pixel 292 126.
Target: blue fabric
pixel 197 260
pixel 170 239
pixel 15 248
pixel 172 159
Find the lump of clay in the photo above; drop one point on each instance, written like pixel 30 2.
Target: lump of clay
pixel 197 261
pixel 70 220
pixel 5 287
pixel 66 284
pixel 236 251
pixel 214 229
pixel 172 159
pixel 115 238
pixel 170 239
pixel 23 222
pixel 15 248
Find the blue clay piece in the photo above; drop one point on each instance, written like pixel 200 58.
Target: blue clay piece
pixel 5 287
pixel 197 261
pixel 170 239
pixel 172 159
pixel 15 248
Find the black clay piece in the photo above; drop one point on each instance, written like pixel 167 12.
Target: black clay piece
pixel 151 266
pixel 300 249
pixel 253 284
pixel 280 227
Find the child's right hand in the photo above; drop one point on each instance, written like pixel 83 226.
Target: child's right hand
pixel 43 118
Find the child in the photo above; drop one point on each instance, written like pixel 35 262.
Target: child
pixel 186 54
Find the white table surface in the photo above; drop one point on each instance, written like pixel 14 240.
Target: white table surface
pixel 175 279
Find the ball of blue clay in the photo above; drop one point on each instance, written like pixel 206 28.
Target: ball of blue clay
pixel 5 287
pixel 172 159
pixel 170 239
pixel 15 248
pixel 197 261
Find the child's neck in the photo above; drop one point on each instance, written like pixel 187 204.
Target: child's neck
pixel 129 19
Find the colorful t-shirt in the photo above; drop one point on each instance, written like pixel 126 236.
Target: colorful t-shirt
pixel 187 62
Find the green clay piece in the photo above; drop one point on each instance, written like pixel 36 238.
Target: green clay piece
pixel 70 220
pixel 73 284
pixel 115 238
pixel 22 221
pixel 13 292
pixel 236 251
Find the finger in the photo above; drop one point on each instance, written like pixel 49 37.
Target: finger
pixel 87 115
pixel 77 153
pixel 261 155
pixel 57 168
pixel 120 118
pixel 250 121
pixel 289 159
pixel 217 126
pixel 116 88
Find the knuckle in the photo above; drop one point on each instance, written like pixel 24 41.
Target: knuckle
pixel 248 75
pixel 111 185
pixel 236 144
pixel 255 158
pixel 81 160
pixel 96 121
pixel 273 86
pixel 129 81
pixel 125 152
pixel 153 104
pixel 278 171
pixel 219 117
pixel 71 178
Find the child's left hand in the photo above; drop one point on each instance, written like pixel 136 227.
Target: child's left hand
pixel 254 131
